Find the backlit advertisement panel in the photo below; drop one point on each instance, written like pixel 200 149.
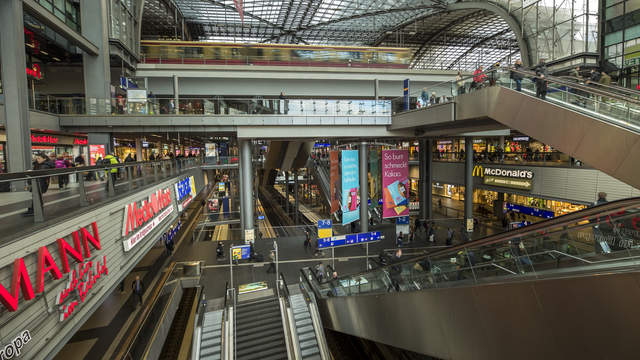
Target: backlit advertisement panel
pixel 395 183
pixel 350 187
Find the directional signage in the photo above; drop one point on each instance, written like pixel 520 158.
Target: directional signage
pixel 349 239
pixel 325 228
pixel 241 252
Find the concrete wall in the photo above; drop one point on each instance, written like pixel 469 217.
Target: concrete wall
pixel 40 315
pixel 568 184
pixel 37 119
pixel 189 86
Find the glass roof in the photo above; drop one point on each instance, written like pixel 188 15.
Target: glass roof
pixel 439 38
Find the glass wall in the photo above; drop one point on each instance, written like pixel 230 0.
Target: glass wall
pixel 65 10
pixel 123 22
pixel 556 29
pixel 622 39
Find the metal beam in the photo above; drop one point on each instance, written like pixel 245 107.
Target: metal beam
pixel 513 23
pixel 477 45
pixel 46 17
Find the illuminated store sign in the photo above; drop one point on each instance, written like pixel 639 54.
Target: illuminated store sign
pixel 481 171
pixel 185 192
pixel 146 216
pixel 21 280
pixel 78 141
pixel 44 139
pixel 34 71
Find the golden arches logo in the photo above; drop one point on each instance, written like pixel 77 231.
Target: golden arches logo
pixel 478 171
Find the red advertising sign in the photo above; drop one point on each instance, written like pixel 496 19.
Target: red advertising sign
pixel 96 152
pixel 146 216
pixel 395 183
pixel 334 180
pixel 44 139
pixel 34 71
pixel 78 141
pixel 21 280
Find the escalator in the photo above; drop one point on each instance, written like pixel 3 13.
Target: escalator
pixel 594 124
pixel 175 337
pixel 563 288
pixel 259 331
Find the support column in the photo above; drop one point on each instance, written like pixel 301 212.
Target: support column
pixel 296 197
pixel 376 89
pixel 468 182
pixel 502 148
pixel 139 150
pixel 246 185
pixel 176 94
pixel 286 191
pixel 15 87
pixel 426 179
pixel 96 69
pixel 364 186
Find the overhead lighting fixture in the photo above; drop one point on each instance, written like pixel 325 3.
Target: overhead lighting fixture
pixel 29 45
pixel 44 52
pixel 56 59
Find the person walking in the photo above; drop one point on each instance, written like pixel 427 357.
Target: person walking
pixel 169 244
pixel 450 234
pixel 541 87
pixel 516 74
pixel 399 240
pixel 41 163
pixel 307 241
pixel 60 164
pixel 272 262
pixel 138 288
pixel 479 78
pixel 460 83
pixel 111 159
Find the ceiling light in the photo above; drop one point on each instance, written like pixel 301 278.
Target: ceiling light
pixel 44 52
pixel 56 59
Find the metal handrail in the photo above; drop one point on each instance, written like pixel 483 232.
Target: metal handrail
pixel 514 234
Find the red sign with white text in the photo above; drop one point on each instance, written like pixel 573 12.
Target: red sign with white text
pixel 44 139
pixel 146 216
pixel 21 280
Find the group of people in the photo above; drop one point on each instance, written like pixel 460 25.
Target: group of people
pixel 428 100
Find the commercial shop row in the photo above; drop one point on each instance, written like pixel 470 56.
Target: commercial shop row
pixel 57 277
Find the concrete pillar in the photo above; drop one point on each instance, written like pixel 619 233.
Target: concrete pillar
pixel 101 139
pixel 139 150
pixel 501 147
pixel 425 189
pixel 363 154
pixel 296 197
pixel 176 94
pixel 14 85
pixel 376 89
pixel 468 182
pixel 246 185
pixel 96 69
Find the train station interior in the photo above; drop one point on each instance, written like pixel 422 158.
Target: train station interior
pixel 319 179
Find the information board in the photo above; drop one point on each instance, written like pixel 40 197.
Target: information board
pixel 325 228
pixel 349 239
pixel 241 252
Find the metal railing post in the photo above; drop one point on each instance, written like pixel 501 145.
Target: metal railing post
pixel 110 187
pixel 82 191
pixel 155 171
pixel 38 202
pixel 130 178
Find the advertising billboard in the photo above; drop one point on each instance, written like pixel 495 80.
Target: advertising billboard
pixel 350 187
pixel 395 183
pixel 334 181
pixel 96 152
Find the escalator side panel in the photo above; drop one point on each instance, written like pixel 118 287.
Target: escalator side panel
pixel 587 317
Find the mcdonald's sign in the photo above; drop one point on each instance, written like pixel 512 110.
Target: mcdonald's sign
pixel 478 171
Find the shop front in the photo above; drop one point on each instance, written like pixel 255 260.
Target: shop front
pixel 68 146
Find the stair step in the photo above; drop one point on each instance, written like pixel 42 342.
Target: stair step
pixel 261 334
pixel 303 322
pixel 254 317
pixel 210 342
pixel 308 344
pixel 263 350
pixel 305 329
pixel 211 334
pixel 245 346
pixel 261 328
pixel 300 316
pixel 270 319
pixel 309 354
pixel 306 336
pixel 210 351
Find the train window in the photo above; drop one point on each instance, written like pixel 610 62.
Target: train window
pixel 390 57
pixel 259 52
pixel 305 54
pixel 275 54
pixel 235 52
pixel 216 53
pixel 355 55
pixel 343 55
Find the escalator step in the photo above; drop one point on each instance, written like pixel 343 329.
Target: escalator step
pixel 308 344
pixel 306 336
pixel 211 334
pixel 255 317
pixel 241 326
pixel 305 329
pixel 213 350
pixel 278 352
pixel 210 357
pixel 313 357
pixel 210 342
pixel 310 352
pixel 256 329
pixel 303 322
pixel 300 316
pixel 257 302
pixel 261 334
pixel 270 347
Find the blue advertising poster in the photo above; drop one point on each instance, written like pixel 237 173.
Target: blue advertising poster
pixel 547 214
pixel 403 220
pixel 405 91
pixel 350 187
pixel 351 239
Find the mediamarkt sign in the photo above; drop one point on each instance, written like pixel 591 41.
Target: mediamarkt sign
pixel 21 280
pixel 185 192
pixel 146 215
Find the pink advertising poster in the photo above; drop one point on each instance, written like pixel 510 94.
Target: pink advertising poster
pixel 395 183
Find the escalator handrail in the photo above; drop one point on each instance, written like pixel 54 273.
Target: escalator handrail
pixel 582 87
pixel 513 234
pixel 134 331
pixel 610 87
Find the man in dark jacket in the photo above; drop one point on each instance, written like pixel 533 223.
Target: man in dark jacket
pixel 138 288
pixel 42 163
pixel 516 75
